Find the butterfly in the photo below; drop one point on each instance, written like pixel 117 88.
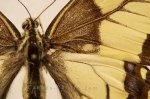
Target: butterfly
pixel 93 49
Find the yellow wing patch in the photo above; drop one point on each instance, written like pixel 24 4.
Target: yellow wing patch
pixel 136 22
pixel 118 54
pixel 125 31
pixel 107 5
pixel 91 73
pixel 137 7
pixel 87 82
pixel 119 37
pixel 2 59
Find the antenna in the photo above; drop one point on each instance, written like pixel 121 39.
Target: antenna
pixel 45 9
pixel 25 8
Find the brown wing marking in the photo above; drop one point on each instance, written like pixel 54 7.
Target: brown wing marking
pixel 8 35
pixel 76 13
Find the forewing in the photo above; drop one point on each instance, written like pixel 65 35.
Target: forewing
pixel 65 33
pixel 118 29
pixel 9 35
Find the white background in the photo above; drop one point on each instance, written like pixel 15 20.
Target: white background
pixel 17 14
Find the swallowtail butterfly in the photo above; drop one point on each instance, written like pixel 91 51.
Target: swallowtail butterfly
pixel 93 49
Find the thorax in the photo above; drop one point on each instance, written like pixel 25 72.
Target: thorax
pixel 32 45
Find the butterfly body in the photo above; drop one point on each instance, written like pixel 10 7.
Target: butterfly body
pixel 32 48
pixel 33 42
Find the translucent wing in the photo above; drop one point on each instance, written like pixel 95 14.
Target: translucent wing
pixel 10 62
pixel 108 30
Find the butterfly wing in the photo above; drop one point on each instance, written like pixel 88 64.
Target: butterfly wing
pixel 9 35
pixel 64 33
pixel 117 29
pixel 10 62
pixel 88 76
pixel 97 77
pixel 10 66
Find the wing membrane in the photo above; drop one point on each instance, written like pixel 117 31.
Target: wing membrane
pixel 110 71
pixel 93 76
pixel 10 66
pixel 8 35
pixel 116 29
pixel 63 33
pixel 120 27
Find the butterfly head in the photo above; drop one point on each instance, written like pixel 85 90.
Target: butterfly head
pixel 30 24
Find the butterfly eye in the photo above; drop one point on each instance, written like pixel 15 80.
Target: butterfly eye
pixel 25 25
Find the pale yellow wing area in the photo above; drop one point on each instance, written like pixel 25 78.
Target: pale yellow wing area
pixel 2 59
pixel 125 32
pixel 107 5
pixel 91 74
